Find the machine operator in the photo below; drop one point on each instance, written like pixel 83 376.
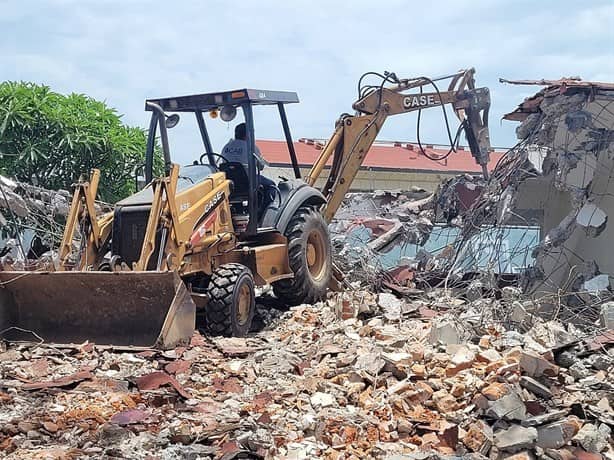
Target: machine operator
pixel 236 151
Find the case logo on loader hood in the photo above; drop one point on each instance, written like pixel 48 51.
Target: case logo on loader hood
pixel 208 219
pixel 217 198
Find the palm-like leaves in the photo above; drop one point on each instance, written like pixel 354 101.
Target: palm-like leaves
pixel 54 139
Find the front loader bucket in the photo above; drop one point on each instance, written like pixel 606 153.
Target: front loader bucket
pixel 143 309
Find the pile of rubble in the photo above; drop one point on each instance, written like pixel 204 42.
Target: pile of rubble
pixel 558 178
pixel 371 230
pixel 360 376
pixel 39 207
pixel 31 221
pixel 391 217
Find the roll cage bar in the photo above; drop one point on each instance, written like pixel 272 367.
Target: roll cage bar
pixel 201 103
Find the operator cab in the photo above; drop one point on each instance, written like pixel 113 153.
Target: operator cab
pixel 250 215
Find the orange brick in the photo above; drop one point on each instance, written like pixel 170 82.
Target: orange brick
pixel 495 391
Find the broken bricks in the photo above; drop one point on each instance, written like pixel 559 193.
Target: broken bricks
pixel 313 384
pixel 536 366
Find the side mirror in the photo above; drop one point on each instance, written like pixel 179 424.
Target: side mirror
pixel 171 120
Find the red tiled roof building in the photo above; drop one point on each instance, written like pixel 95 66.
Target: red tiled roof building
pixel 387 165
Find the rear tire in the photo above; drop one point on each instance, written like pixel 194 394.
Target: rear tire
pixel 310 257
pixel 232 301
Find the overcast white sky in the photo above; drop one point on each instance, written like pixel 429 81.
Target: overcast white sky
pixel 126 51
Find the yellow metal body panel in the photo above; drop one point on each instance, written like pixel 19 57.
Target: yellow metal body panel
pixel 354 135
pixel 198 230
pixel 268 259
pixel 193 222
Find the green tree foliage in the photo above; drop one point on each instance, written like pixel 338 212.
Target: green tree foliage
pixel 51 139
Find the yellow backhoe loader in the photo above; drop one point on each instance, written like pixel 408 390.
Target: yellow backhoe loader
pixel 198 240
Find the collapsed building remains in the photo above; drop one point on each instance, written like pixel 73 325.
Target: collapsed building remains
pixel 31 222
pixel 558 180
pixel 469 329
pixel 540 222
pixel 567 132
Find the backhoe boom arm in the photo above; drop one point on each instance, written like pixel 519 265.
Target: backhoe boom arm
pixel 354 134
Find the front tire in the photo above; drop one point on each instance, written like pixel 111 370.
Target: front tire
pixel 310 258
pixel 232 301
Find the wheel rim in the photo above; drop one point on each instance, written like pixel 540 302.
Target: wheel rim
pixel 316 254
pixel 244 301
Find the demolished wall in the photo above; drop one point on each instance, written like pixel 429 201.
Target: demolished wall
pixel 572 125
pixel 558 178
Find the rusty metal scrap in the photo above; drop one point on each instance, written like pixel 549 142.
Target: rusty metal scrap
pixel 563 82
pixel 155 380
pixel 554 87
pixel 61 382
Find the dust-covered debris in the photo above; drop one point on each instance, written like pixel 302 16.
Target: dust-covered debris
pixel 369 225
pixel 541 221
pixel 315 385
pixel 31 224
pixel 455 353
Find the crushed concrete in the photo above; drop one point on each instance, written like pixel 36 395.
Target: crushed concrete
pixel 436 358
pixel 31 224
pixel 313 384
pixel 515 438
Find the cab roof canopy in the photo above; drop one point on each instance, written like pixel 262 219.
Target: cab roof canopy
pixel 210 101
